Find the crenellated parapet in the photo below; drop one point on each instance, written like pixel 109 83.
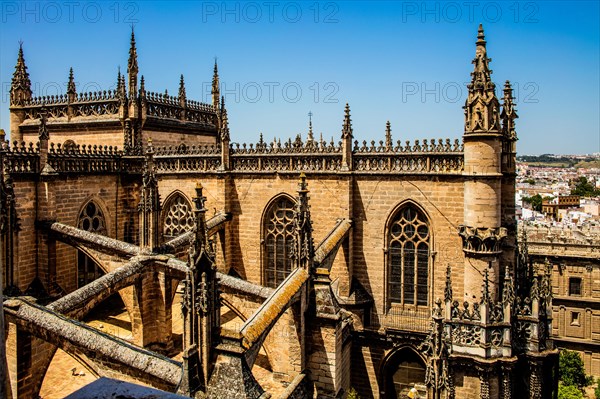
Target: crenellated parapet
pixel 482 240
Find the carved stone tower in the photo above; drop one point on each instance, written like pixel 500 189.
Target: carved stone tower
pixel 482 232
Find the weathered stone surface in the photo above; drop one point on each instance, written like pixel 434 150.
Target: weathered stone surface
pixel 71 335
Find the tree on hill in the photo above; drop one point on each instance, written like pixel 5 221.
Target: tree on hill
pixel 584 188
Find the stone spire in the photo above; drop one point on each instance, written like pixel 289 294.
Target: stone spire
pixel 481 107
pixel 132 67
pixel 347 126
pixel 347 140
pixel 121 91
pixel 388 136
pixel 20 89
pixel 509 113
pixel 310 139
pixel 215 87
pixel 182 97
pixel 224 135
pixel 182 88
pixel 71 90
pixel 224 129
pixel 142 87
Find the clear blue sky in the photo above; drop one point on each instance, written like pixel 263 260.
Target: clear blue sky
pixel 407 62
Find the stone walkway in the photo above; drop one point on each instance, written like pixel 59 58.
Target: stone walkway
pixel 112 317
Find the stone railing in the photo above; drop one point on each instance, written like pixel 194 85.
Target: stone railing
pixel 428 146
pixel 96 103
pixel 170 107
pixel 403 319
pixel 20 158
pixel 186 159
pixel 311 156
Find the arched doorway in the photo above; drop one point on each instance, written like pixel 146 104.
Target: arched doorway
pixel 404 375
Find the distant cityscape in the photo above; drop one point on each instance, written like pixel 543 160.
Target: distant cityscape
pixel 559 190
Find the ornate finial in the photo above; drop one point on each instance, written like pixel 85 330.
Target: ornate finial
pixel 71 84
pixel 508 291
pixel 347 126
pixel 304 248
pixel 182 88
pixel 261 141
pixel 119 79
pixel 20 89
pixel 509 112
pixel 448 287
pixel 142 85
pixel 43 130
pixel 388 136
pixel 215 91
pixel 481 107
pixel 485 289
pixel 535 290
pixel 310 138
pixel 132 66
pixel 224 130
pixel 480 35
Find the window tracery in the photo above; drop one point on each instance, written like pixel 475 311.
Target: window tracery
pixel 179 217
pixel 278 237
pixel 408 257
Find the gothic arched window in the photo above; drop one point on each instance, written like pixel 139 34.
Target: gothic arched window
pixel 408 258
pixel 91 218
pixel 178 218
pixel 278 230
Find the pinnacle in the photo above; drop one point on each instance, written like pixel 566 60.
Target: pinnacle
pixel 480 35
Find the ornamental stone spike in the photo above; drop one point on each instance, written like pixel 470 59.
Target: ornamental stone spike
pixel 20 89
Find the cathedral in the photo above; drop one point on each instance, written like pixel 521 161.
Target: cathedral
pixel 390 268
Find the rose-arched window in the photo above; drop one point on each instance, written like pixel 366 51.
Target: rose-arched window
pixel 178 218
pixel 408 258
pixel 278 230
